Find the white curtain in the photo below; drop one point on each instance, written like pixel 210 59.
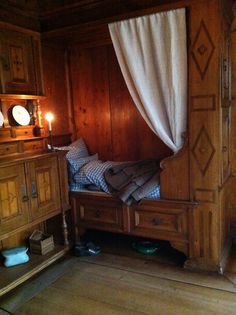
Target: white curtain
pixel 152 54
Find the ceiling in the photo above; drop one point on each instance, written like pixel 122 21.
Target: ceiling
pixel 48 15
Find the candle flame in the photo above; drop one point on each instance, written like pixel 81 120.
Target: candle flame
pixel 49 117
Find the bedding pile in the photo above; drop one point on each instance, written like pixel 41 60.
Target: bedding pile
pixel 130 181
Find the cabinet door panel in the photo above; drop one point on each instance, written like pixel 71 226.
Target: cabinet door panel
pixel 17 64
pixel 13 198
pixel 44 187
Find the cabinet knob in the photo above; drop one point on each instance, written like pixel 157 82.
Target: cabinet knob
pixel 156 221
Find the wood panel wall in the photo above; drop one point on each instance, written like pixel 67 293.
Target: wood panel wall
pixel 56 90
pixel 104 113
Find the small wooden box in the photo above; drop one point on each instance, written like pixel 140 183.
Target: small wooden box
pixel 41 243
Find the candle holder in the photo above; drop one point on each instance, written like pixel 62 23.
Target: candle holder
pixel 49 117
pixel 50 141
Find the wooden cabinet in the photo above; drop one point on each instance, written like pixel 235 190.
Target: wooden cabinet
pixel 20 62
pixel 30 191
pixel 33 188
pixel 15 139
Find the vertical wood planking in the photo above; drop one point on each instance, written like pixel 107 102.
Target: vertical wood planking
pixel 105 114
pixel 90 91
pixel 55 88
pixel 123 114
pixel 132 137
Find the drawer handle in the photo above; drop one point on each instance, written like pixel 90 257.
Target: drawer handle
pixel 34 190
pixel 98 214
pixel 25 198
pixel 24 195
pixel 156 221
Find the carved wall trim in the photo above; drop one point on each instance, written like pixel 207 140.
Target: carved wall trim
pixel 203 103
pixel 205 195
pixel 203 150
pixel 202 49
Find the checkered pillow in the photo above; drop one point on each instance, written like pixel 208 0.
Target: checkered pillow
pixel 76 187
pixel 94 173
pixel 77 149
pixel 81 176
pixel 76 164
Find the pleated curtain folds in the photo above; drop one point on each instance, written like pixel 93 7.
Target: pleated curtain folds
pixel 152 54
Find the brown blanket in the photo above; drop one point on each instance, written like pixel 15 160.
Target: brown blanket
pixel 132 181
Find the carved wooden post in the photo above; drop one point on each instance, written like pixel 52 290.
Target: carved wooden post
pixel 208 171
pixel 65 229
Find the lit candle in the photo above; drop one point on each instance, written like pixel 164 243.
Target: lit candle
pixel 49 117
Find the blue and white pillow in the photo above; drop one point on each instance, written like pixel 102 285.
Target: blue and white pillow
pixel 94 173
pixel 78 163
pixel 77 149
pixel 76 187
pixel 75 181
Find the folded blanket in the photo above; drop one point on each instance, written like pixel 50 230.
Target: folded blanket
pixel 132 181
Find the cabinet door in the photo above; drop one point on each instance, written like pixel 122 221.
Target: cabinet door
pixel 17 63
pixel 44 186
pixel 13 198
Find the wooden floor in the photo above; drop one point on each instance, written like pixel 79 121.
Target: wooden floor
pixel 116 284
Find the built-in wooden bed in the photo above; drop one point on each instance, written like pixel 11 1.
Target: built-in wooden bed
pixel 163 219
pixel 192 212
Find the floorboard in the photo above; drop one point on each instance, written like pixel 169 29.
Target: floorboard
pixel 111 284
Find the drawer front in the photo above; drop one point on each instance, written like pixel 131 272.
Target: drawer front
pixel 36 145
pixel 8 148
pixel 99 216
pixel 24 131
pixel 167 224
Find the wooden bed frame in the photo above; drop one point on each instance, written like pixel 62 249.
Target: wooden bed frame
pixel 157 219
pixel 163 219
pixel 195 184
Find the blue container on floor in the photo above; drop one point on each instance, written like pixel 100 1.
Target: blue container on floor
pixel 15 256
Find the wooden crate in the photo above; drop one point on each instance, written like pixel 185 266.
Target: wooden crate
pixel 41 243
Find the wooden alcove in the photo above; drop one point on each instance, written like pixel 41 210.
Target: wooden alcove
pixel 102 112
pixel 200 172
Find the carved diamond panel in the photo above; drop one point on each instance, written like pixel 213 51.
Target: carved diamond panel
pixel 202 50
pixel 203 150
pixel 44 186
pixel 8 199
